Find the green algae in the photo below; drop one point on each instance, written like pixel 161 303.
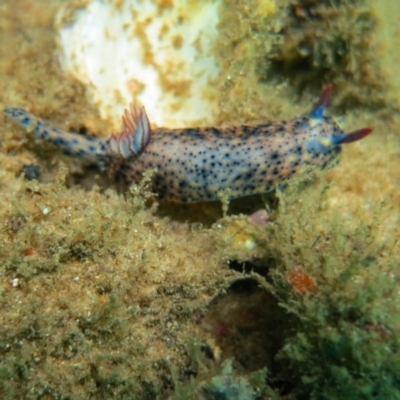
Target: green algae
pixel 346 345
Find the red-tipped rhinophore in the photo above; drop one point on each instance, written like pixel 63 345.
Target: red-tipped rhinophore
pixel 322 102
pixel 356 135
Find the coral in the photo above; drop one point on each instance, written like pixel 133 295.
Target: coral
pixel 161 57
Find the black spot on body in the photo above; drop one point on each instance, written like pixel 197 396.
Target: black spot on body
pixel 60 142
pixel 26 121
pixel 81 153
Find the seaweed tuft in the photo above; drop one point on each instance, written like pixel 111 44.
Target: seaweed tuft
pixel 348 345
pixel 331 42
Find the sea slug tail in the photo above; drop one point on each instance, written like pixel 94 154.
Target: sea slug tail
pixel 22 117
pixel 72 144
pixel 135 134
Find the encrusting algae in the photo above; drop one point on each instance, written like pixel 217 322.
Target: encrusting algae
pixel 107 295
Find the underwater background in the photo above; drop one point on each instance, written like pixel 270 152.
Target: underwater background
pixel 109 293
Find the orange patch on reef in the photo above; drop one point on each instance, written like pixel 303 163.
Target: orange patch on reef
pixel 301 282
pixel 30 251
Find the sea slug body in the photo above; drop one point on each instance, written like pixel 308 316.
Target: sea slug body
pixel 197 164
